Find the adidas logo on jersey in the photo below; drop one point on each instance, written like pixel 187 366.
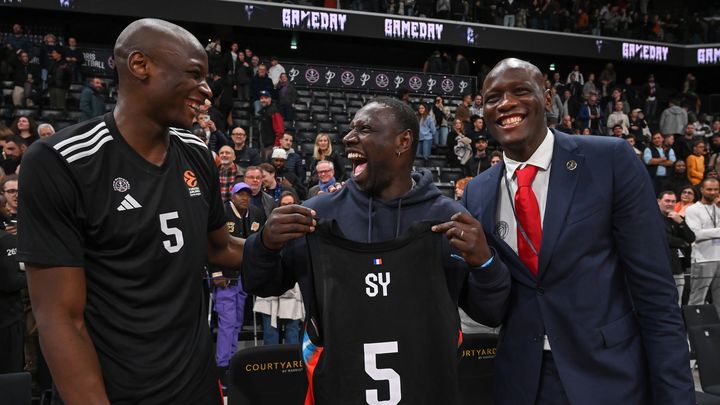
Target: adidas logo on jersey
pixel 128 203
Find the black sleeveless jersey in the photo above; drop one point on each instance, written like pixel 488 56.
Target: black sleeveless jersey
pixel 140 232
pixel 386 330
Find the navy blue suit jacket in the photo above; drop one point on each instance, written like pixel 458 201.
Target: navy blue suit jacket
pixel 604 295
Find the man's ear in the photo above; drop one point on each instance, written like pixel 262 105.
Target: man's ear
pixel 137 65
pixel 404 141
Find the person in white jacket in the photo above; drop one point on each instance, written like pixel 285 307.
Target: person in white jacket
pixel 281 314
pixel 703 218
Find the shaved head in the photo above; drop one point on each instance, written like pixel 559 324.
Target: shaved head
pixel 153 38
pixel 513 63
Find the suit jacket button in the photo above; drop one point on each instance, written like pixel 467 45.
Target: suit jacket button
pixel 540 291
pixel 535 339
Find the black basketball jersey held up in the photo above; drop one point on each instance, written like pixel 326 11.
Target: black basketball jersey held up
pixel 387 331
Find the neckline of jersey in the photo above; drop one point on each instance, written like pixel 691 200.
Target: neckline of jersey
pixel 133 154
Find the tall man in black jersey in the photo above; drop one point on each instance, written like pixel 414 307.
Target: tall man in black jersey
pixel 382 203
pixel 121 213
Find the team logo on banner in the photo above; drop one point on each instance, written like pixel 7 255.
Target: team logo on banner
pixel 398 81
pixel 329 75
pixel 431 83
pixel 364 79
pixel 447 85
pixel 312 76
pixel 382 80
pixel 293 74
pixel 347 78
pixel 415 83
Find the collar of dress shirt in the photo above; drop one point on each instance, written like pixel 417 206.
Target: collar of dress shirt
pixel 540 158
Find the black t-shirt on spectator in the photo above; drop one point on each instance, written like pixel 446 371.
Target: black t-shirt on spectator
pixel 140 232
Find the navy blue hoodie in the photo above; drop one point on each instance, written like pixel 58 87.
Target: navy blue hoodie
pixel 482 293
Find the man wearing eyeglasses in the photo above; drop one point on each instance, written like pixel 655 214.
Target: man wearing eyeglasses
pixel 326 177
pixel 10 192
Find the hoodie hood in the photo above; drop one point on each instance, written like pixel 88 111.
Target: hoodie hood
pixel 367 219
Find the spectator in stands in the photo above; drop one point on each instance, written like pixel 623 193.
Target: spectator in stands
pixel 18 40
pixel 276 69
pixel 215 58
pixel 589 87
pixel 478 129
pixel 232 63
pixel 260 199
pixel 575 76
pixel 716 132
pixel 92 100
pixel 26 80
pixel 9 187
pixel 618 117
pixel 608 74
pixel 687 198
pixel 462 112
pixel 714 161
pixel 12 326
pixel 571 105
pixel 442 119
pixel 427 131
pixel 270 124
pixel 291 182
pixel 696 163
pixel 462 66
pixel 629 92
pixel 75 59
pixel 281 315
pixel 293 161
pixel 648 94
pixel 679 237
pixel 508 9
pixel 638 126
pixel 458 130
pixel 678 178
pixel 463 153
pixel 495 158
pixel 228 171
pixel 705 268
pixel 553 111
pixel 255 65
pixel 260 85
pixel 433 64
pixel 658 162
pixel 59 79
pixel 214 138
pixel 631 140
pixel 617 131
pixel 245 156
pixel 288 198
pixel 326 178
pixel 590 116
pixel 44 130
pixel 404 95
pixel 287 96
pixel 26 128
pixel 323 150
pixel 243 220
pixel 673 119
pixel 459 190
pixel 684 145
pixel 617 95
pixel 222 99
pixel 271 185
pixel 566 125
pixel 476 109
pixel 481 158
pixel 241 72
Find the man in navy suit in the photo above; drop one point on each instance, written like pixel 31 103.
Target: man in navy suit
pixel 593 315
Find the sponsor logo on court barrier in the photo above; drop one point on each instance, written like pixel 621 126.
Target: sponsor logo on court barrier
pixel 283 366
pixel 480 353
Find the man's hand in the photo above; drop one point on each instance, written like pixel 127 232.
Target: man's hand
pixel 287 223
pixel 467 236
pixel 675 217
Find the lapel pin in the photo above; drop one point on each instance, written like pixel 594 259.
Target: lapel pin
pixel 571 165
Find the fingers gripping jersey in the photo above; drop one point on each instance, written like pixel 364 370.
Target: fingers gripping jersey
pixel 388 330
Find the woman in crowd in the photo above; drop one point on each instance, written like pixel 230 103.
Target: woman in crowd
pixel 323 150
pixel 26 128
pixel 427 131
pixel 457 132
pixel 288 198
pixel 687 198
pixel 495 158
pixel 442 117
pixel 287 95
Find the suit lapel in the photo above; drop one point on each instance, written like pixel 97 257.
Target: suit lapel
pixel 563 180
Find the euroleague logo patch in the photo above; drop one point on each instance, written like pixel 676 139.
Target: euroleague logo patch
pixel 191 182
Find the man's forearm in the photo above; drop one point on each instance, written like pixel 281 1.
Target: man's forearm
pixel 73 362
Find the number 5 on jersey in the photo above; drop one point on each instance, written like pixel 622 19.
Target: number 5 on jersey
pixel 175 233
pixel 372 350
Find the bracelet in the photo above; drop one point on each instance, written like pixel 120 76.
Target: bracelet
pixel 487 263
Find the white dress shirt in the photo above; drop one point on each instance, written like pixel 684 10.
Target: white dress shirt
pixel 542 158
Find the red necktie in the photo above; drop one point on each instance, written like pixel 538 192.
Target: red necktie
pixel 528 216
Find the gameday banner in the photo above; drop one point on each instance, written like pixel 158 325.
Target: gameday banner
pixel 358 79
pixel 98 62
pixel 289 17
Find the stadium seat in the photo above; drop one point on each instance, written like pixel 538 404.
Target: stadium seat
pixel 325 126
pixel 341 118
pixel 320 94
pixel 343 129
pixel 321 117
pixel 447 189
pixel 476 371
pixel 300 107
pixel 419 162
pixel 51 114
pixel 451 175
pixel 266 375
pixel 30 112
pixel 240 113
pixel 242 104
pixel 324 101
pixel 74 115
pixel 340 148
pixel 304 100
pixel 307 148
pixel 706 341
pixel 302 115
pixel 304 93
pixel 335 139
pixel 8 84
pixel 336 94
pixel 242 122
pixel 16 388
pixel 336 109
pixel 436 161
pixel 60 124
pixel 352 96
pixel 304 125
pixel 699 315
pixel 318 108
pixel 352 111
pixel 356 103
